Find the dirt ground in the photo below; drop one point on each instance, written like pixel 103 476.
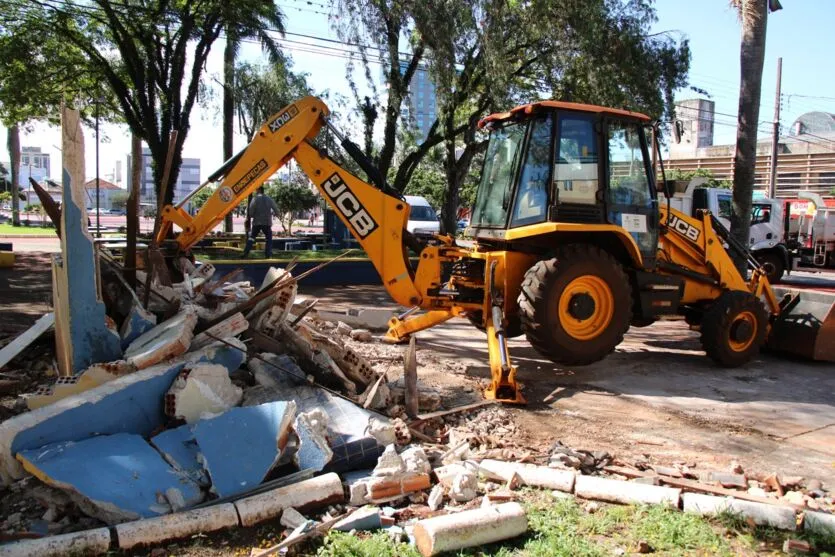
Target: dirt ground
pixel 658 398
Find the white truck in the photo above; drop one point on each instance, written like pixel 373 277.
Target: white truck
pixel 767 241
pixel 811 241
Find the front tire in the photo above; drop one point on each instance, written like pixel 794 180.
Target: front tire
pixel 773 266
pixel 734 328
pixel 576 307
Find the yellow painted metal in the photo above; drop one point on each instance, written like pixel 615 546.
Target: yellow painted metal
pixel 743 345
pixel 604 307
pixel 503 386
pixel 400 329
pixel 530 231
pixel 268 151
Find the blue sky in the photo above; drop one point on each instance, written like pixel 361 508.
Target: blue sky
pixel 801 33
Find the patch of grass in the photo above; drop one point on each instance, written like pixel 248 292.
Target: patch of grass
pixel 554 531
pixel 676 533
pixel 343 544
pixel 755 536
pixel 33 229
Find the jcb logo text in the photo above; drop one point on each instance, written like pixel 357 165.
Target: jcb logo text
pixel 684 228
pixel 347 203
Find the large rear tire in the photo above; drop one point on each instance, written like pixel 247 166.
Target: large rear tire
pixel 734 328
pixel 576 307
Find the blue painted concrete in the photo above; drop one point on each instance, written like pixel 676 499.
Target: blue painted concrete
pixel 137 322
pixel 240 446
pixel 92 342
pixel 130 404
pixel 179 448
pixel 121 474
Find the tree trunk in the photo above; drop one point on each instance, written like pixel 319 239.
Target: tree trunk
pixel 228 111
pixel 752 56
pixel 449 210
pixel 14 157
pixel 133 208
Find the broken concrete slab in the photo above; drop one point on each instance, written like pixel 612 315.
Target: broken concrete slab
pixel 464 487
pixel 314 452
pixel 230 327
pixel 130 404
pixel 86 542
pixel 283 298
pixel 93 376
pixel 168 339
pixel 303 496
pixel 200 391
pixel 111 477
pixel 352 445
pixel 291 518
pixel 241 446
pixel 177 525
pixel 138 321
pixel 179 448
pixel 389 463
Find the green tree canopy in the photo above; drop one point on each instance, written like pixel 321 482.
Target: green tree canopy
pixel 292 196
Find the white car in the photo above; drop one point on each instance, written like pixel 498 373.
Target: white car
pixel 423 221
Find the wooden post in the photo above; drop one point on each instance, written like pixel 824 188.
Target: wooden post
pixel 410 379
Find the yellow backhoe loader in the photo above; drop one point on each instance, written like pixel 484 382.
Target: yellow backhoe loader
pixel 573 245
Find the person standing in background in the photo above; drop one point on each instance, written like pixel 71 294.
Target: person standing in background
pixel 259 217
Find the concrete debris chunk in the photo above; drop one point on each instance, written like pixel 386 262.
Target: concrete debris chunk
pixel 375 319
pixel 138 321
pixel 93 376
pixel 283 298
pixel 529 474
pixel 182 524
pixel 229 327
pixel 389 463
pixel 201 391
pixel 314 451
pixel 382 430
pixel 241 446
pixel 343 329
pixel 415 460
pixel 111 477
pixel 819 523
pixel 366 518
pixel 165 341
pixel 291 518
pixel 464 487
pixel 436 497
pixel 361 335
pixel 179 448
pixel 615 491
pixel 86 542
pixel 471 528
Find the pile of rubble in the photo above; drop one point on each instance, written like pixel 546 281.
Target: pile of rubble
pixel 233 405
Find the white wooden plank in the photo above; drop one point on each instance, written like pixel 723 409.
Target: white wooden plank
pixel 21 342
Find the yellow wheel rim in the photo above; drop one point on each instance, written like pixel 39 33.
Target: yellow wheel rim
pixel 586 307
pixel 739 338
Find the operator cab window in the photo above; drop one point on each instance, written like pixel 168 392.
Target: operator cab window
pixel 500 161
pixel 532 195
pixel 628 180
pixel 575 168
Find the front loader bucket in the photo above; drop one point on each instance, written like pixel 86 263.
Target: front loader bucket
pixel 806 326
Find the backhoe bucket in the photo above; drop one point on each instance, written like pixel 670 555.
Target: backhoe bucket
pixel 806 326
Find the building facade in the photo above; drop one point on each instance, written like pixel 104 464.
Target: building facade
pixel 420 105
pixel 695 120
pixel 805 157
pixel 34 163
pixel 107 192
pixel 187 181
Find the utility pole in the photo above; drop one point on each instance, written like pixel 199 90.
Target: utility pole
pixel 772 181
pixel 98 199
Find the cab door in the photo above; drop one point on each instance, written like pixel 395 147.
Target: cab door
pixel 630 200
